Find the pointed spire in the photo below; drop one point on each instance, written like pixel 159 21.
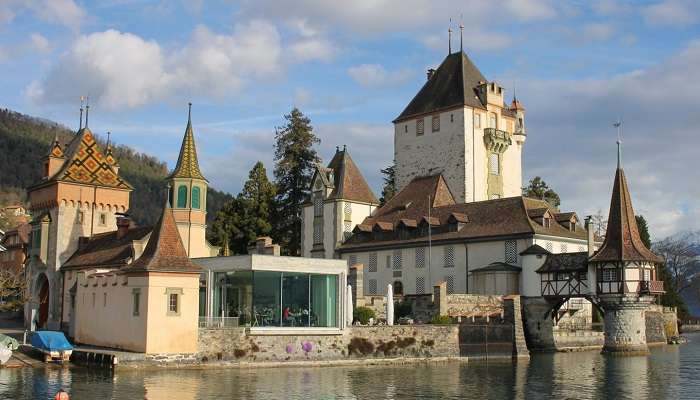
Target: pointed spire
pixel 618 125
pixel 461 32
pixel 55 150
pixel 187 163
pixel 82 99
pixel 449 38
pixel 622 240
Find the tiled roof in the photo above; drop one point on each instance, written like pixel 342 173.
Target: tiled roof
pixel 86 164
pixel 164 251
pixel 491 218
pixel 498 266
pixel 622 241
pixel 187 163
pixel 452 84
pixel 107 249
pixel 348 182
pixel 534 249
pixel 565 262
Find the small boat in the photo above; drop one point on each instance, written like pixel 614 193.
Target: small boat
pixel 53 345
pixel 7 345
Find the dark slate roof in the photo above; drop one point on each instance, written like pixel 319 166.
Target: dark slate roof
pixel 534 249
pixel 565 262
pixel 622 241
pixel 486 219
pixel 106 250
pixel 164 251
pixel 498 266
pixel 349 184
pixel 453 84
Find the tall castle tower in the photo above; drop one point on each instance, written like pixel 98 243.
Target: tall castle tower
pixel 459 125
pixel 188 198
pixel 79 194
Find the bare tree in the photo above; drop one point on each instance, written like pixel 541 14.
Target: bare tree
pixel 682 261
pixel 13 290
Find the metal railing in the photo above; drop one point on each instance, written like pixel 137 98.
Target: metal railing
pixel 651 287
pixel 219 322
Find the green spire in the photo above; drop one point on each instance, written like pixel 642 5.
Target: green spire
pixel 187 164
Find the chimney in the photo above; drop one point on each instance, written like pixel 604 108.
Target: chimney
pixel 123 225
pixel 590 235
pixel 263 245
pixel 431 72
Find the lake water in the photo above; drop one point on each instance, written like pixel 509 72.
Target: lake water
pixel 671 372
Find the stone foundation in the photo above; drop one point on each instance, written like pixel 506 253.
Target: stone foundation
pixel 538 325
pixel 625 323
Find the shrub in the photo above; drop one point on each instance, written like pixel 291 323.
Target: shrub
pixel 441 320
pixel 402 309
pixel 363 314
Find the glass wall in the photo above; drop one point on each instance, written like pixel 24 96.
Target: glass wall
pixel 276 299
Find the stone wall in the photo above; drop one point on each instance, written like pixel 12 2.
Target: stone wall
pixel 573 340
pixel 354 343
pixel 655 327
pixel 425 307
pixel 538 324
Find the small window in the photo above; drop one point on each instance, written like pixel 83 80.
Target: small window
pixel 609 274
pixel 104 299
pixel 372 286
pixel 93 300
pixel 398 288
pixel 477 120
pixel 420 257
pixel 436 123
pixel 494 161
pixel 318 206
pixel 182 196
pixel 450 280
pixel 420 285
pixel 136 294
pixel 547 222
pixel 103 219
pixel 511 251
pixel 195 197
pixel 398 259
pixel 372 263
pixel 173 305
pixel 318 233
pixel 80 218
pixel 420 127
pixel 388 261
pixel 405 128
pixel 449 256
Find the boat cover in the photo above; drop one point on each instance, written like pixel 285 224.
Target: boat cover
pixel 50 341
pixel 8 342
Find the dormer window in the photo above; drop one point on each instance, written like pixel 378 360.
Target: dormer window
pixel 547 222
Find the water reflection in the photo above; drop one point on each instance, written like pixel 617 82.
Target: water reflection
pixel 670 372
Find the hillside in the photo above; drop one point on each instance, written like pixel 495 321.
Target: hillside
pixel 24 141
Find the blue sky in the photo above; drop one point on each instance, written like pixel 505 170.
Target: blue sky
pixel 353 66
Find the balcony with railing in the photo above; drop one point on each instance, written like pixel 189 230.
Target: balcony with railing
pixel 496 140
pixel 651 287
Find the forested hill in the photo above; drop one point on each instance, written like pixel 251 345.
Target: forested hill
pixel 25 140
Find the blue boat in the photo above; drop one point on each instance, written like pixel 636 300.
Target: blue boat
pixel 53 344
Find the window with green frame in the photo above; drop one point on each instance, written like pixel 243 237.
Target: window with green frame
pixel 195 197
pixel 182 196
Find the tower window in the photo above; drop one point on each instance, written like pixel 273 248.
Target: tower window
pixel 494 167
pixel 103 219
pixel 420 127
pixel 195 197
pixel 436 123
pixel 405 128
pixel 477 120
pixel 182 196
pixel 493 121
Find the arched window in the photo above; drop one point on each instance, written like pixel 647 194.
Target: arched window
pixel 182 196
pixel 195 197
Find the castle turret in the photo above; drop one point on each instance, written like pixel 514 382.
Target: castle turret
pixel 626 274
pixel 188 197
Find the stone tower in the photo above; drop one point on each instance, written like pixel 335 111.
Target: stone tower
pixel 188 197
pixel 458 125
pixel 79 195
pixel 340 199
pixel 626 275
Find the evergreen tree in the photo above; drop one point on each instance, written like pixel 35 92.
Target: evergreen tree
pixel 537 188
pixel 295 158
pixel 389 188
pixel 247 216
pixel 643 230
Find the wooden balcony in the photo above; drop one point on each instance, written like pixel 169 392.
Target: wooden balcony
pixel 651 287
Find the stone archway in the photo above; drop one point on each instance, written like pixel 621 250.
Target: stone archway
pixel 43 294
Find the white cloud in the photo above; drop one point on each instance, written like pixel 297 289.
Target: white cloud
pixel 375 75
pixel 597 31
pixel 39 43
pixel 122 70
pixel 63 12
pixel 569 126
pixel 312 48
pixel 672 13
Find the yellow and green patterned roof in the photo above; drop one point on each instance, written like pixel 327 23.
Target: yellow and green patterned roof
pixel 187 164
pixel 86 164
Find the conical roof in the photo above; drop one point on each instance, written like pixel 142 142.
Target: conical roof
pixel 453 83
pixel 187 163
pixel 164 251
pixel 349 184
pixel 622 240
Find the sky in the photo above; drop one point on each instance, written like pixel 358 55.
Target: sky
pixel 577 66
